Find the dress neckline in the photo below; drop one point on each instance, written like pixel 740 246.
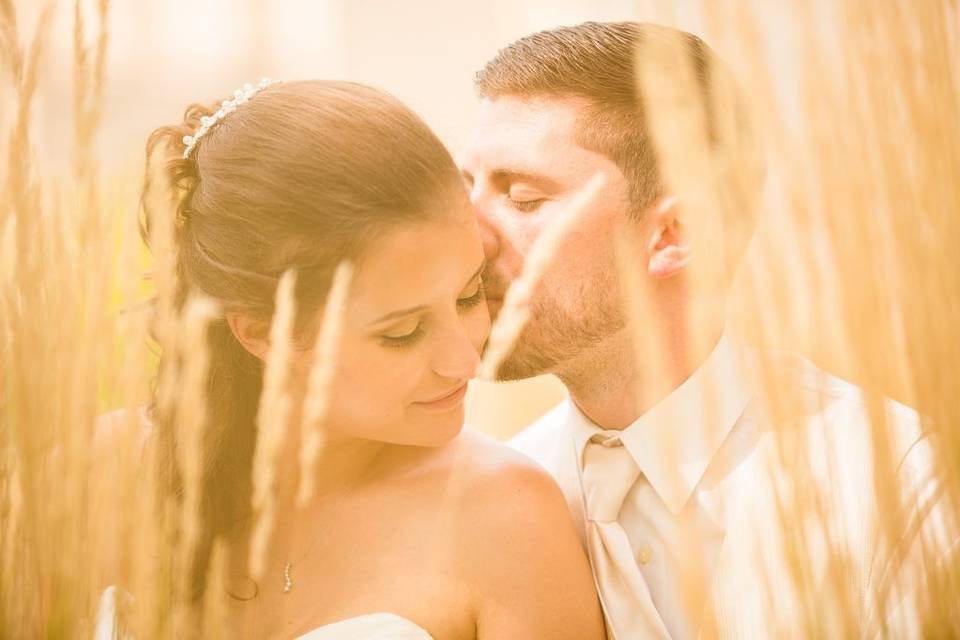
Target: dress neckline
pixel 404 624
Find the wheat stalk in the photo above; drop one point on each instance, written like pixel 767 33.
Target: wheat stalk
pixel 319 381
pixel 273 417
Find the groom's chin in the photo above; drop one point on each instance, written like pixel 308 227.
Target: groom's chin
pixel 517 366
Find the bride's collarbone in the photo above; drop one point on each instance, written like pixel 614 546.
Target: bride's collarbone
pixel 357 579
pixel 376 553
pixel 396 545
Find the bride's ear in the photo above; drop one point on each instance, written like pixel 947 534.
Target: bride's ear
pixel 253 334
pixel 669 249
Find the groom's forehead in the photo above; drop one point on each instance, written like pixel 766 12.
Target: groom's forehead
pixel 516 133
pixel 535 114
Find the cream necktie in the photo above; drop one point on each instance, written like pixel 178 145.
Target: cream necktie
pixel 608 474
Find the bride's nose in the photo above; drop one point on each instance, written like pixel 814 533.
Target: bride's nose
pixel 489 236
pixel 456 356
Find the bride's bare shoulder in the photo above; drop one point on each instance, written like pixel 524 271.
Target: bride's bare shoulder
pixel 494 482
pixel 517 546
pixel 480 459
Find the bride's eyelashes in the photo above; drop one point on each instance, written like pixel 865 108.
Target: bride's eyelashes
pixel 405 340
pixel 411 338
pixel 475 299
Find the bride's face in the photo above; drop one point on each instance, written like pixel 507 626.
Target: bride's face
pixel 415 324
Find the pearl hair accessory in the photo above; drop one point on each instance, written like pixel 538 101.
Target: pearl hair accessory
pixel 240 96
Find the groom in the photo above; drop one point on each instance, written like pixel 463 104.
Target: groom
pixel 666 461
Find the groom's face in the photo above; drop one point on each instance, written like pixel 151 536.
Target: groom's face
pixel 524 167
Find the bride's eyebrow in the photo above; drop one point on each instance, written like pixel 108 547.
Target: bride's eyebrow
pixel 406 312
pixel 398 314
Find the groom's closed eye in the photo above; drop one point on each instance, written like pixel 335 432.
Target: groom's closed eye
pixel 524 191
pixel 525 198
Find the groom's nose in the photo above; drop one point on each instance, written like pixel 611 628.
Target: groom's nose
pixel 490 232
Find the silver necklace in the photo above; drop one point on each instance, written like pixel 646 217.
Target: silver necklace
pixel 288 568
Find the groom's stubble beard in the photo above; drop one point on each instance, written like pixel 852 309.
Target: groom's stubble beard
pixel 558 332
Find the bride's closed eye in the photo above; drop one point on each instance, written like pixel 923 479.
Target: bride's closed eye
pixel 412 337
pixel 405 339
pixel 475 298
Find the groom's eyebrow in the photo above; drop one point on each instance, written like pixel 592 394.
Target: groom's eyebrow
pixel 406 312
pixel 502 177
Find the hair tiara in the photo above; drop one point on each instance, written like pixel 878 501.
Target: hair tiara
pixel 227 107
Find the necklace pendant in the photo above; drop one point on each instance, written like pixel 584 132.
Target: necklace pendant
pixel 287 580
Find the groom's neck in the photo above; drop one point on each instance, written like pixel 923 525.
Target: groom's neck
pixel 614 387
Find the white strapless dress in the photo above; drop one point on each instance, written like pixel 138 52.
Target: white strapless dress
pixel 373 626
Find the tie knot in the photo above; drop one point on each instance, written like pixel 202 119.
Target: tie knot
pixel 609 472
pixel 606 439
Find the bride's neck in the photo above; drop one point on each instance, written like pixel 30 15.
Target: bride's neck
pixel 339 463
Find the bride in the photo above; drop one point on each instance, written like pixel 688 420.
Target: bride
pixel 418 528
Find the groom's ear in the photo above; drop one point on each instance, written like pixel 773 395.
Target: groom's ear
pixel 253 334
pixel 669 248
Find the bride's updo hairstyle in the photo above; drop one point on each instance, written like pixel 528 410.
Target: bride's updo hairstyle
pixel 302 176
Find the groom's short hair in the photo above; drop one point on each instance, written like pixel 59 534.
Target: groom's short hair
pixel 596 61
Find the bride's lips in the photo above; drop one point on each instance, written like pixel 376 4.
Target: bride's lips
pixel 448 401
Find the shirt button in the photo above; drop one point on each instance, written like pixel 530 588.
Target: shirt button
pixel 644 556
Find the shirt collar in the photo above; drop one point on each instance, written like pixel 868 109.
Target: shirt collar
pixel 674 442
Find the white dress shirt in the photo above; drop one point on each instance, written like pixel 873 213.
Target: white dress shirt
pixel 701 518
pixel 669 518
